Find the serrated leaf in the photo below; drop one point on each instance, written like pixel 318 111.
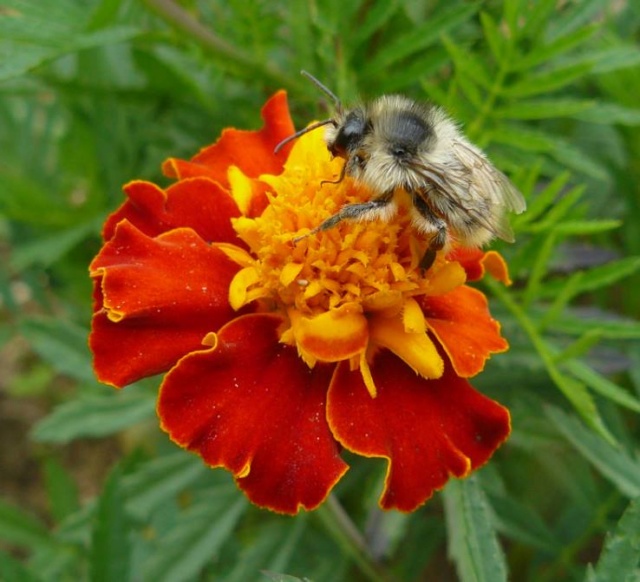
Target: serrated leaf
pixel 472 539
pixel 519 522
pixel 545 82
pixel 62 344
pixel 418 38
pixel 543 108
pixel 160 479
pixel 110 552
pixel 612 462
pixel 202 530
pixel 621 553
pixel 61 490
pixel 610 113
pixel 22 529
pixel 598 277
pixel 545 53
pixel 494 37
pixel 47 250
pixel 33 33
pixel 611 327
pixel 603 386
pixel 375 18
pixel 11 570
pixel 94 416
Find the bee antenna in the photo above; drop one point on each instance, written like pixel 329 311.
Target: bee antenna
pixel 297 134
pixel 337 103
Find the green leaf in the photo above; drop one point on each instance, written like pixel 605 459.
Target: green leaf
pixel 377 15
pixel 521 523
pixel 472 539
pixel 32 33
pixel 598 383
pixel 611 326
pixel 22 529
pixel 62 344
pixel 621 552
pixel 545 53
pixel 610 113
pixel 61 490
pixel 418 38
pixel 161 479
pixel 201 532
pixel 49 249
pixel 94 416
pixel 543 108
pixel 110 553
pixel 11 570
pixel 493 35
pixel 579 347
pixel 611 461
pixel 598 277
pixel 545 82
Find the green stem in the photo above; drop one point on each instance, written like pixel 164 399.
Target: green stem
pixel 180 19
pixel 349 538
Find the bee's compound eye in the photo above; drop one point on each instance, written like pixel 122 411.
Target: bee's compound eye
pixel 349 135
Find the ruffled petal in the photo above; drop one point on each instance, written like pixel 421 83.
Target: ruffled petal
pixel 477 262
pixel 197 203
pixel 465 329
pixel 251 151
pixel 334 335
pixel 158 298
pixel 428 430
pixel 252 406
pixel 415 348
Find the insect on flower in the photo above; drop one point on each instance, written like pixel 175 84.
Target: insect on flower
pixel 397 146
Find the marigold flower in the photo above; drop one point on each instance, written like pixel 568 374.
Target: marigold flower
pixel 280 352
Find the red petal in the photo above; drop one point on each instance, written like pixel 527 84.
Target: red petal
pixel 427 429
pixel 251 151
pixel 160 297
pixel 462 323
pixel 476 262
pixel 250 405
pixel 198 203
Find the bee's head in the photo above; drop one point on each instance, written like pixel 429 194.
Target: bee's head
pixel 384 143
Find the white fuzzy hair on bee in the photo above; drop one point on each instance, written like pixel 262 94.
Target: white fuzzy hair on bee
pixel 399 147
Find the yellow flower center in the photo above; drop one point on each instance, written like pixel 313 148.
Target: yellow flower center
pixel 330 285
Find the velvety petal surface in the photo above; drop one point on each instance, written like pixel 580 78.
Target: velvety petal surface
pixel 197 203
pixel 251 151
pixel 251 405
pixel 428 430
pixel 462 323
pixel 159 298
pixel 477 262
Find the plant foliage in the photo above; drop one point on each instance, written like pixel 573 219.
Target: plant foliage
pixel 93 94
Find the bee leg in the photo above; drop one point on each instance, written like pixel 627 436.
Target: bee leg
pixel 362 211
pixel 434 222
pixel 435 244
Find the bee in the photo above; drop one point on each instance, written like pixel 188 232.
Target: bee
pixel 397 146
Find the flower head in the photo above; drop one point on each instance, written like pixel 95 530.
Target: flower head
pixel 282 345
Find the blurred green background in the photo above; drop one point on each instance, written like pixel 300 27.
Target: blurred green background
pixel 96 93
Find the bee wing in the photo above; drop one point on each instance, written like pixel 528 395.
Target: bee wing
pixel 456 184
pixel 489 179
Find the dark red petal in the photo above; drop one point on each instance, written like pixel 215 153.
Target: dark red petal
pixel 252 406
pixel 476 262
pixel 429 430
pixel 464 327
pixel 198 203
pixel 159 298
pixel 251 151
